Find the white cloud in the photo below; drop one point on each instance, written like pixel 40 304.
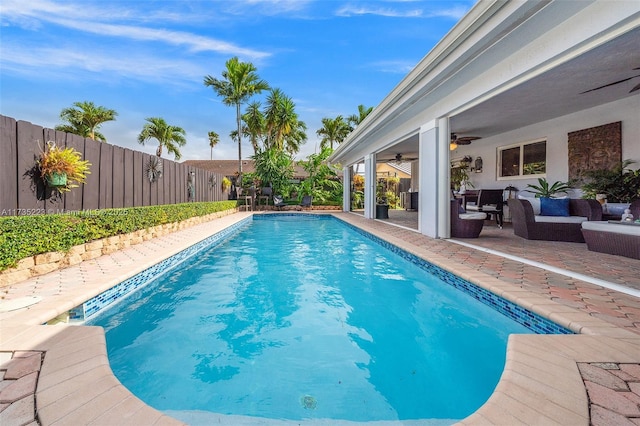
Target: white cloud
pixel 350 10
pixel 268 7
pixel 194 42
pixel 455 12
pixel 393 67
pixel 71 62
pixel 37 13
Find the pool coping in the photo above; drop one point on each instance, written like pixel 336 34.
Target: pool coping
pixel 540 383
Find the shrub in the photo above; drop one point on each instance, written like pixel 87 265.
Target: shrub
pixel 24 236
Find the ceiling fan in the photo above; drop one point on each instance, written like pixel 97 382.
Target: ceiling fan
pixel 464 140
pixel 401 159
pixel 636 87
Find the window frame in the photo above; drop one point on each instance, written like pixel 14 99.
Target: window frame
pixel 520 174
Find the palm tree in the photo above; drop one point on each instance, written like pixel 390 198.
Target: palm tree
pixel 167 136
pixel 84 119
pixel 214 138
pixel 281 118
pixel 239 82
pixel 334 130
pixel 355 119
pixel 254 125
pixel 297 137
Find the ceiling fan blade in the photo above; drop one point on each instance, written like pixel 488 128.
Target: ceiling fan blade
pixel 637 87
pixel 466 140
pixel 610 84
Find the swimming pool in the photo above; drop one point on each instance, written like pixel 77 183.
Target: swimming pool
pixel 299 317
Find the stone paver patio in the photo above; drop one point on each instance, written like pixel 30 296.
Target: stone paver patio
pixel 592 377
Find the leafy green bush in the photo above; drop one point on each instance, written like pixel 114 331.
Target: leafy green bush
pixel 620 184
pixel 24 236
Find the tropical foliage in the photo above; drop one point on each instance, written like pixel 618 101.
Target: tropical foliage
pixel 238 84
pixel 226 184
pixel 274 167
pixel 169 137
pixel 333 131
pixel 620 184
pixel 323 183
pixel 546 190
pixel 214 138
pixel 84 119
pixel 275 126
pixel 355 119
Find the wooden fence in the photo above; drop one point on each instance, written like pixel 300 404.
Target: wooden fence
pixel 117 176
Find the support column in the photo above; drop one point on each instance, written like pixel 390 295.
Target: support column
pixel 370 186
pixel 434 193
pixel 346 188
pixel 444 181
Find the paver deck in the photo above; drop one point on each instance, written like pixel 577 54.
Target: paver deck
pixel 592 377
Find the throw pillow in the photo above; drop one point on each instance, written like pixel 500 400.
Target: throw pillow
pixel 554 206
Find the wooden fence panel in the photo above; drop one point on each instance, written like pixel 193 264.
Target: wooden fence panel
pixel 146 185
pixel 153 201
pixel 181 171
pixel 73 198
pixel 138 179
pixel 166 181
pixel 118 177
pixel 31 188
pixel 91 190
pixel 128 178
pixel 172 182
pixel 106 175
pixel 9 169
pixel 160 184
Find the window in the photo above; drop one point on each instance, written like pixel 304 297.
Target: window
pixel 522 160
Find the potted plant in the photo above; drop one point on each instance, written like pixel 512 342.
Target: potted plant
pixel 226 184
pixel 544 190
pixel 460 180
pixel 382 204
pixel 62 168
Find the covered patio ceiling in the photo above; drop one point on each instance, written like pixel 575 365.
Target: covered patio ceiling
pixel 601 75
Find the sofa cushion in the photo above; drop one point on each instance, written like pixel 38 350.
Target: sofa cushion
pixel 615 209
pixel 554 206
pixel 535 203
pixel 560 219
pixel 612 227
pixel 472 216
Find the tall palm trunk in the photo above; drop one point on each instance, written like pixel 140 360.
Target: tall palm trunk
pixel 238 120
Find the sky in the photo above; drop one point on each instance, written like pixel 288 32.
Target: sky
pixel 148 58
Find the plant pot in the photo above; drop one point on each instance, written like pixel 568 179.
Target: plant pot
pixel 56 180
pixel 382 211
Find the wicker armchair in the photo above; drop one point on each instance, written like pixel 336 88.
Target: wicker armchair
pixel 465 226
pixel 525 225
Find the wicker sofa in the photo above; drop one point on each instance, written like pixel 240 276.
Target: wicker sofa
pixel 527 224
pixel 621 239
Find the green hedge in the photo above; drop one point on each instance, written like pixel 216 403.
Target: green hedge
pixel 24 236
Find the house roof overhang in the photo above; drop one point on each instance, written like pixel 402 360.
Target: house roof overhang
pixel 506 65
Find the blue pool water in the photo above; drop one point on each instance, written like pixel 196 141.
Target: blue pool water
pixel 301 318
